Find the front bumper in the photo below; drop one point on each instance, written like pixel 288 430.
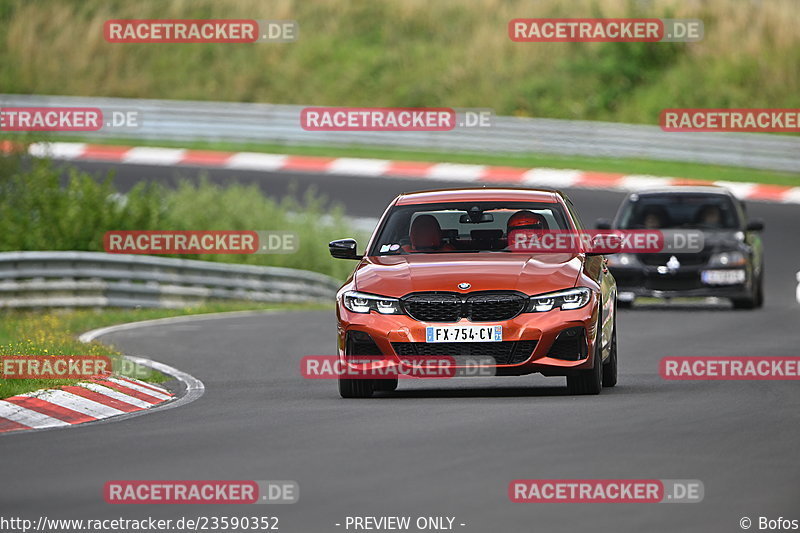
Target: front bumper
pixel 396 336
pixel 648 281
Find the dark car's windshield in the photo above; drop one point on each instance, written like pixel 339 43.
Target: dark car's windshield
pixel 700 211
pixel 462 227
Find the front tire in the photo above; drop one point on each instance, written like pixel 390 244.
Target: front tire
pixel 355 388
pixel 385 385
pixel 590 381
pixel 610 366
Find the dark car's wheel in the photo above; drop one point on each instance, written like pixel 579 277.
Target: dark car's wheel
pixel 355 388
pixel 385 385
pixel 760 290
pixel 590 381
pixel 624 304
pixel 610 366
pixel 755 300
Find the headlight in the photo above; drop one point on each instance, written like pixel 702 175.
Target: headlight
pixel 621 260
pixel 566 300
pixel 727 259
pixel 359 302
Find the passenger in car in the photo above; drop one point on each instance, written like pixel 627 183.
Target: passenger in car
pixel 710 216
pixel 426 236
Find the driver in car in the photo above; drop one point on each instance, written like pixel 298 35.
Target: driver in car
pixel 522 224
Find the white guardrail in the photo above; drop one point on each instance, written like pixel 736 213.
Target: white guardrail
pixel 177 120
pixel 94 279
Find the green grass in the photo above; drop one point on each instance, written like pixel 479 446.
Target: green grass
pixel 599 164
pixel 48 333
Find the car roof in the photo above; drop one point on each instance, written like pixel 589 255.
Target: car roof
pixel 481 194
pixel 685 189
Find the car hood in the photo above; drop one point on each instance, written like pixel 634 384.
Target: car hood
pixel 722 240
pixel 398 275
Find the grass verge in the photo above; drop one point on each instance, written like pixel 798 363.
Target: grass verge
pixel 54 332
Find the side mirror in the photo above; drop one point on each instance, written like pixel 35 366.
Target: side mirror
pixel 755 224
pixel 602 223
pixel 344 249
pixel 604 244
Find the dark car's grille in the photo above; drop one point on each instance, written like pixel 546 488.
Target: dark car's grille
pixel 505 352
pixel 676 282
pixel 684 259
pixel 448 307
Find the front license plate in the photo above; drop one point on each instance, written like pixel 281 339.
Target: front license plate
pixel 722 277
pixel 464 334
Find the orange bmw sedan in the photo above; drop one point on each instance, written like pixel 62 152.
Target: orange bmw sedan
pixel 440 280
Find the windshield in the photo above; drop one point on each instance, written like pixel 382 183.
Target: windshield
pixel 700 211
pixel 461 227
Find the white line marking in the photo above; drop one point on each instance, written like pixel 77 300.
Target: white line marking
pixel 27 417
pixel 358 167
pixel 111 393
pixel 455 172
pixel 636 182
pixel 91 335
pixel 792 196
pixel 77 403
pixel 143 390
pixel 146 385
pixel 153 156
pixel 57 150
pixel 256 161
pixel 739 189
pixel 552 177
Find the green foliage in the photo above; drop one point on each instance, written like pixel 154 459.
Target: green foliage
pixel 38 213
pixel 414 53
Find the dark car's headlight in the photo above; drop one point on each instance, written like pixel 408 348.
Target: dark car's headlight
pixel 725 259
pixel 567 299
pixel 359 302
pixel 622 260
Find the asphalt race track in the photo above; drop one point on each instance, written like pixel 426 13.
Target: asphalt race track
pixel 444 448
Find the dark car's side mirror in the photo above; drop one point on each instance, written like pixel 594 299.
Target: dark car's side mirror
pixel 344 249
pixel 602 223
pixel 755 224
